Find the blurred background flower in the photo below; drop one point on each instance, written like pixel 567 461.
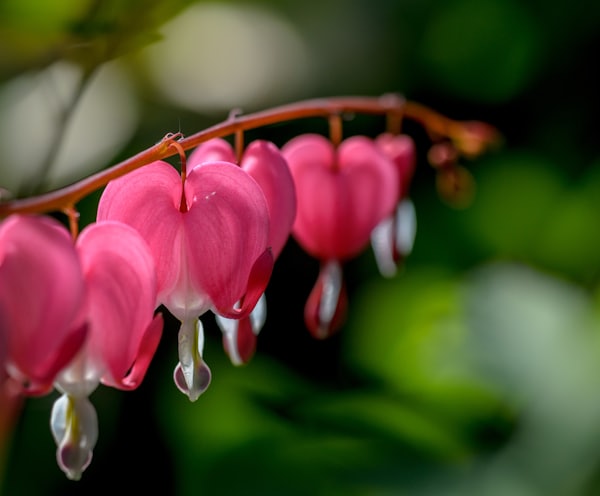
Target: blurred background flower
pixel 475 370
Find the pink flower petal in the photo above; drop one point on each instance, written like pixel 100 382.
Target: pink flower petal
pixel 214 150
pixel 148 345
pixel 148 199
pixel 120 275
pixel 265 163
pixel 342 194
pixel 256 285
pixel 42 296
pixel 204 256
pixel 226 231
pixel 402 150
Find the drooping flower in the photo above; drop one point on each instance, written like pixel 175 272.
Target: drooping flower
pixel 343 193
pixel 264 162
pixel 123 335
pixel 393 238
pixel 42 300
pixel 121 286
pixel 41 310
pixel 209 241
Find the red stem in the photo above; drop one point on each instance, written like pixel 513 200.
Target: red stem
pixel 325 107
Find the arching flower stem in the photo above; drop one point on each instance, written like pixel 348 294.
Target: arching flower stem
pixel 469 137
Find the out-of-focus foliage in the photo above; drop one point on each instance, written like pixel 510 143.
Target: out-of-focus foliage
pixel 481 58
pixel 60 91
pixel 88 32
pixel 476 370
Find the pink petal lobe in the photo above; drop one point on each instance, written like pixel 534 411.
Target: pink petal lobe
pixel 121 279
pixel 265 163
pixel 402 150
pixel 213 150
pixel 148 199
pixel 342 194
pixel 226 231
pixel 256 285
pixel 148 346
pixel 42 296
pixel 204 256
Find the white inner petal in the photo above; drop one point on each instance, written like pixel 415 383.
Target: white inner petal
pixel 406 226
pixel 332 285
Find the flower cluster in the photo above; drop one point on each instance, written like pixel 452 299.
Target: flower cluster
pixel 82 309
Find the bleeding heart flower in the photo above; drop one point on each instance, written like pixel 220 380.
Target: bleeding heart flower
pixel 393 238
pixel 76 316
pixel 42 300
pixel 342 195
pixel 123 335
pixel 264 162
pixel 209 242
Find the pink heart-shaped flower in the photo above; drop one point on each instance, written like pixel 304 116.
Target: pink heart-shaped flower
pixel 342 193
pixel 42 300
pixel 210 256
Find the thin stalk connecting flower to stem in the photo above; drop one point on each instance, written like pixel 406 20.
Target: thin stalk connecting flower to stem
pixel 471 138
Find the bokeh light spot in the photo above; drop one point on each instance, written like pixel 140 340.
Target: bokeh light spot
pixel 31 108
pixel 215 57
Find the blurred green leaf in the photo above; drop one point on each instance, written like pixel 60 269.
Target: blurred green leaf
pixel 516 192
pixel 407 331
pixel 538 337
pixel 35 33
pixel 229 413
pixel 390 420
pixel 526 210
pixel 569 242
pixel 32 32
pixel 409 334
pixel 482 50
